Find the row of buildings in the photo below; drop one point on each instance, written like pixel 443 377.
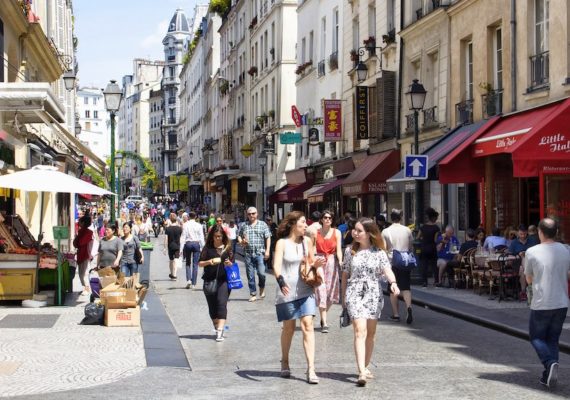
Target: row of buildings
pixel 39 120
pixel 290 104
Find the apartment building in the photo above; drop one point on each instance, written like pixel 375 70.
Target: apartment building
pixel 94 121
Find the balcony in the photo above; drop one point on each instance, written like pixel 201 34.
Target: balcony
pixel 492 103
pixel 430 117
pixel 172 100
pixel 333 61
pixel 321 70
pixel 464 112
pixel 539 71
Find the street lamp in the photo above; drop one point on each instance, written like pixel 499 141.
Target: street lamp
pixel 113 95
pixel 416 96
pixel 119 159
pixel 262 160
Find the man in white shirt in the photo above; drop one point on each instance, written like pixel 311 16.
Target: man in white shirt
pixel 192 241
pixel 399 237
pixel 547 269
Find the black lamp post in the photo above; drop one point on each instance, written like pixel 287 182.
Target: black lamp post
pixel 262 160
pixel 119 159
pixel 113 96
pixel 416 96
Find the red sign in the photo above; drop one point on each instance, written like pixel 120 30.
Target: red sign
pixel 494 146
pixel 333 120
pixel 296 115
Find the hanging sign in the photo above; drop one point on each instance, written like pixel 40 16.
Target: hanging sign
pixel 361 108
pixel 333 120
pixel 296 115
pixel 246 150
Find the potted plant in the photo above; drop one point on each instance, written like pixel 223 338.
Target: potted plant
pixel 271 114
pixel 253 23
pixel 224 87
pixel 490 106
pixel 252 71
pixel 370 44
pixel 390 37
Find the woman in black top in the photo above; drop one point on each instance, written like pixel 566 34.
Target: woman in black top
pixel 172 244
pixel 215 255
pixel 428 256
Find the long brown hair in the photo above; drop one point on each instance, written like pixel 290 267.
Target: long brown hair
pixel 210 238
pixel 371 228
pixel 290 220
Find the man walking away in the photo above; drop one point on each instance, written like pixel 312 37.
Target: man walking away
pixel 547 269
pixel 399 237
pixel 255 238
pixel 192 240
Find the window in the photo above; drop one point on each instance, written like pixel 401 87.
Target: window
pixel 469 71
pixel 311 44
pixel 95 114
pixel 88 126
pixel 303 50
pixel 323 37
pixel 355 34
pixel 498 60
pixel 94 101
pixel 371 20
pixel 390 13
pixel 335 30
pixel 541 14
pixel 86 100
pixel 87 114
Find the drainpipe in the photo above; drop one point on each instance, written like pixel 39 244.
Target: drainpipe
pixel 513 55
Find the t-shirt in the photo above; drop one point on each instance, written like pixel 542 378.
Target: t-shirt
pixel 429 233
pixel 173 233
pixel 445 252
pixel 548 263
pixel 232 232
pixel 468 245
pixel 493 241
pixel 108 250
pixel 129 248
pixel 517 246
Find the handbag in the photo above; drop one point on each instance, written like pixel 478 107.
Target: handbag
pixel 211 287
pixel 402 260
pixel 308 272
pixel 233 277
pixel 344 318
pixel 138 252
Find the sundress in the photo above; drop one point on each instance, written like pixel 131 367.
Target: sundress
pixel 363 296
pixel 328 292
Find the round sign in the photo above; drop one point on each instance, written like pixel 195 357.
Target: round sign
pixel 246 150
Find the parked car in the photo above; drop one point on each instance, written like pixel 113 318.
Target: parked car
pixel 134 199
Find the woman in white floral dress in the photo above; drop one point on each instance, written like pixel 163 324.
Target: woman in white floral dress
pixel 365 261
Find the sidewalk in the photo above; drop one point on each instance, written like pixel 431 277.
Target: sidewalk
pixel 45 350
pixel 510 317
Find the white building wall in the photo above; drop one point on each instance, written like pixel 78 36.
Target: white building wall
pixel 94 121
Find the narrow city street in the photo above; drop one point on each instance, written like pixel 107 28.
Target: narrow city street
pixel 437 357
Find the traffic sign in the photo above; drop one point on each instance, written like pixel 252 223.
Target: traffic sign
pixel 290 138
pixel 296 115
pixel 416 166
pixel 246 150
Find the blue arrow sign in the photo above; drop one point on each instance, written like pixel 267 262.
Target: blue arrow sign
pixel 416 166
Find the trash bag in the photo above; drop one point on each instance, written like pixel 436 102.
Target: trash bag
pixel 94 314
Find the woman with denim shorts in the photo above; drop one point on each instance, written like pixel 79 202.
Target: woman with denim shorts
pixel 131 244
pixel 294 298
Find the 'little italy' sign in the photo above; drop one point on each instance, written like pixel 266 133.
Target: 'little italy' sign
pixel 556 143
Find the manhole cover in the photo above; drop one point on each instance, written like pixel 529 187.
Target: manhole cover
pixel 26 321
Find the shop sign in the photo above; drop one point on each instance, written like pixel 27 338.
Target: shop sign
pixel 354 189
pixel 333 120
pixel 377 187
pixel 246 150
pixel 555 170
pixel 253 186
pixel 296 115
pixel 361 112
pixel 313 136
pixel 557 143
pixel 290 138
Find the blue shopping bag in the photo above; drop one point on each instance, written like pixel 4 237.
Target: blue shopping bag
pixel 234 279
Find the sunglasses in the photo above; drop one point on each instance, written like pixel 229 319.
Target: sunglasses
pixel 326 217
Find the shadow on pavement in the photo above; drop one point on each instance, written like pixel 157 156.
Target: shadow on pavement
pixel 524 380
pixel 199 337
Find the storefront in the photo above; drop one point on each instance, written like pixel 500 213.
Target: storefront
pixel 451 201
pixel 365 189
pixel 522 162
pixel 290 197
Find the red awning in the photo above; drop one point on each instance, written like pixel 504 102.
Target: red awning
pixel 536 139
pixel 317 197
pixel 370 176
pixel 290 193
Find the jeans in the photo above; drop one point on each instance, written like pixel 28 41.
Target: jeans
pixel 192 255
pixel 129 269
pixel 251 263
pixel 545 327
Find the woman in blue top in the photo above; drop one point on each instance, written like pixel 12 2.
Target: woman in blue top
pixel 294 298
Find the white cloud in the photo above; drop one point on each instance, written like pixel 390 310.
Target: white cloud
pixel 154 40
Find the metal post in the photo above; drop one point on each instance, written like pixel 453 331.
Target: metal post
pixel 118 186
pixel 113 214
pixel 263 190
pixel 419 193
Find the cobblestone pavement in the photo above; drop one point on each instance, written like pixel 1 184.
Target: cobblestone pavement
pixel 437 357
pixel 66 356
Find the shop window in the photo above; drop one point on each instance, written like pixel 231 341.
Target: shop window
pixel 557 203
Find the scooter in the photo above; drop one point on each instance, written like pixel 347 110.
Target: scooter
pixel 156 225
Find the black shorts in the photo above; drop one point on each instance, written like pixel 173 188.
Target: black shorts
pixel 172 254
pixel 402 278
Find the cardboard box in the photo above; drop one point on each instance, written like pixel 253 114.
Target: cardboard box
pixel 107 280
pixel 123 317
pixel 114 296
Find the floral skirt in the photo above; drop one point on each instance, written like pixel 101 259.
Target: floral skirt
pixel 328 292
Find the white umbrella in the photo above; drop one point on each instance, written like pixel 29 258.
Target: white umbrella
pixel 44 178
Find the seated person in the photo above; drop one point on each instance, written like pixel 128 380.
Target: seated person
pixel 494 240
pixel 533 235
pixel 470 243
pixel 447 246
pixel 518 247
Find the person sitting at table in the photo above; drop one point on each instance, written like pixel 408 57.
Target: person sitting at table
pixel 470 243
pixel 518 247
pixel 447 246
pixel 533 235
pixel 480 237
pixel 494 240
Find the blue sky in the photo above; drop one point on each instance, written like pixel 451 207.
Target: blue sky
pixel 113 32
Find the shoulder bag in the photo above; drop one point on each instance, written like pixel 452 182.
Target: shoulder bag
pixel 138 251
pixel 308 272
pixel 211 287
pixel 402 260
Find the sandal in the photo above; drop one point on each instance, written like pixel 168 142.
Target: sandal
pixel 285 371
pixel 368 374
pixel 361 380
pixel 312 377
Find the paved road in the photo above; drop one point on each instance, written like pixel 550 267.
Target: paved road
pixel 438 357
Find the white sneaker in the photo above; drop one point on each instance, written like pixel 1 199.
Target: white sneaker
pixel 189 285
pixel 252 298
pixel 262 293
pixel 219 335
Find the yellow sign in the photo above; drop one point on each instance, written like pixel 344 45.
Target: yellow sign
pixel 178 183
pixel 246 150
